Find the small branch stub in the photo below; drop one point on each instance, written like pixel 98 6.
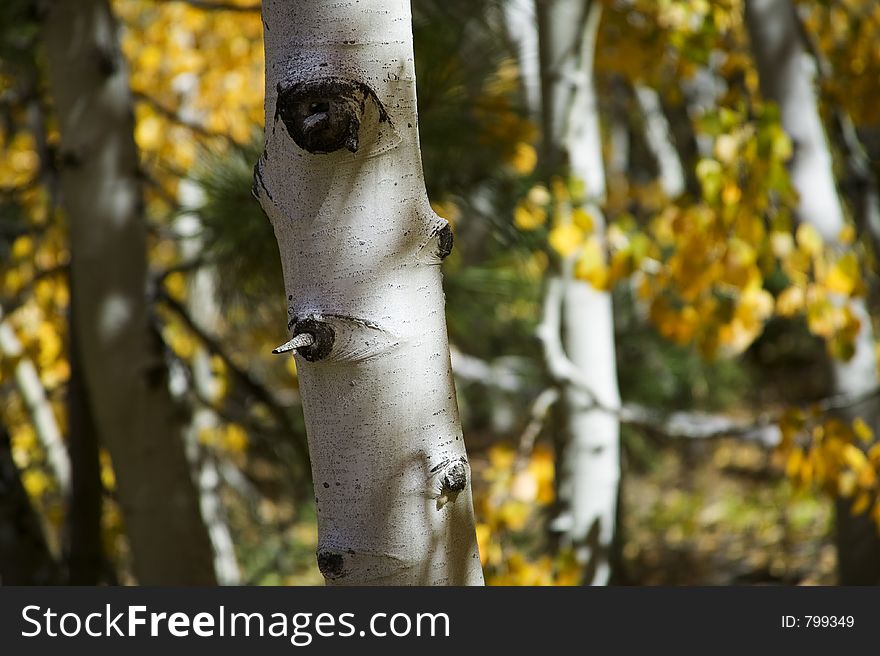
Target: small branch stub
pixel 323 116
pixel 452 478
pixel 312 338
pixel 300 341
pixel 445 241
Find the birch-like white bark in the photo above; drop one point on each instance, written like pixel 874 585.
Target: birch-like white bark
pixel 589 473
pixel 341 181
pixel 519 20
pixel 787 76
pixel 658 136
pixel 202 305
pixel 123 365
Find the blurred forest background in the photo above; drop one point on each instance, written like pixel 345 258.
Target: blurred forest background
pixel 744 449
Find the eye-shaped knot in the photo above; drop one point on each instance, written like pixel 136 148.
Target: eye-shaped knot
pixel 323 116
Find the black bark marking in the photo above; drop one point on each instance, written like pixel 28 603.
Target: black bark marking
pixel 324 115
pixel 445 241
pixel 258 179
pixel 454 478
pixel 323 334
pixel 331 564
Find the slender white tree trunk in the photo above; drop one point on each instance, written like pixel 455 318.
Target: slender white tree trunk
pixel 787 76
pixel 590 464
pixel 202 306
pixel 341 181
pixel 123 367
pixel 658 136
pixel 519 21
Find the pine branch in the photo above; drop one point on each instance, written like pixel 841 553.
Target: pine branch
pixel 259 391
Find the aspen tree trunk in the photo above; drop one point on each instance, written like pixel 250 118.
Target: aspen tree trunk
pixel 590 462
pixel 658 136
pixel 341 181
pixel 123 369
pixel 203 310
pixel 787 76
pixel 83 543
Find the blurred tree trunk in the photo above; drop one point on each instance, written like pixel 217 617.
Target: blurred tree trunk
pixel 589 473
pixel 341 181
pixel 84 545
pixel 787 76
pixel 658 137
pixel 201 302
pixel 121 355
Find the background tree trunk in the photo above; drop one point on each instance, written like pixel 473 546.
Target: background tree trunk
pixel 123 368
pixel 84 544
pixel 341 181
pixel 787 76
pixel 589 466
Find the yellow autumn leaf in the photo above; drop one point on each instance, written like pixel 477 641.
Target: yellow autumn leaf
pixel 514 514
pixel 108 475
pixel 22 247
pixel 35 482
pixel 790 301
pixel 566 239
pixel 808 239
pixel 591 264
pixel 794 462
pixel 527 216
pixel 854 457
pixel 524 159
pixel 148 133
pixel 874 454
pixel 582 219
pixel 861 503
pixel 235 438
pixel 862 430
pixel 843 276
pixel 731 193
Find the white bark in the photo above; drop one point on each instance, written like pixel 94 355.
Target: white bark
pixel 659 140
pixel 519 19
pixel 590 462
pixel 701 92
pixel 787 76
pixel 341 181
pixel 123 365
pixel 202 305
pixel 38 406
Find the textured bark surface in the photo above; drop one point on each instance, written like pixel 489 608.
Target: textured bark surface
pixel 341 181
pixel 589 465
pixel 123 369
pixel 787 76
